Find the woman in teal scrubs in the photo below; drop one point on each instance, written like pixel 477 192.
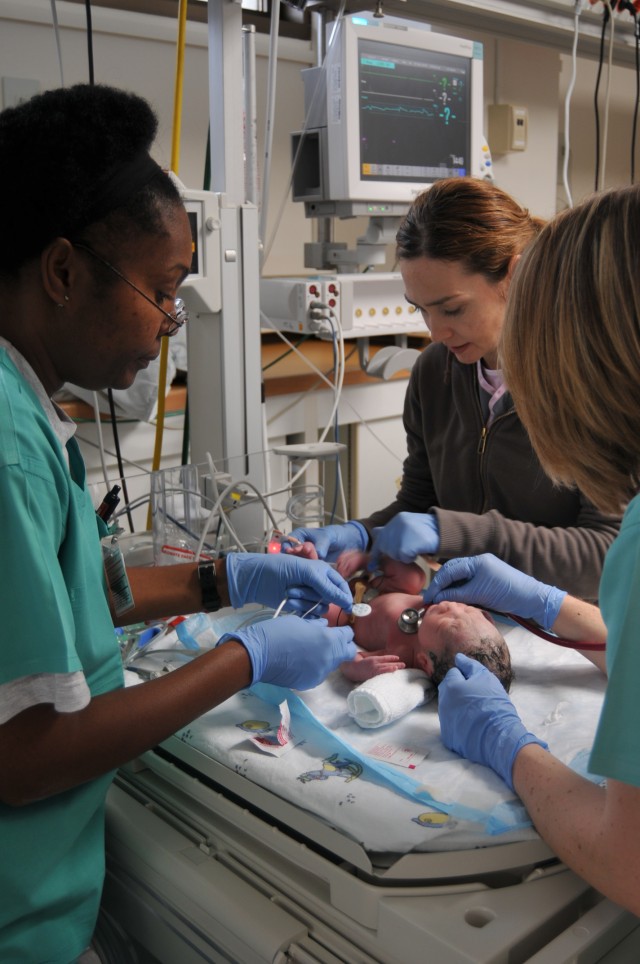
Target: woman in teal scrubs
pixel 577 301
pixel 95 245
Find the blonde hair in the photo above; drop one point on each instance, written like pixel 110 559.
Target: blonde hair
pixel 570 347
pixel 468 220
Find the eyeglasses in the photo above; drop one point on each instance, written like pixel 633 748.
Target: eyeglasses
pixel 176 318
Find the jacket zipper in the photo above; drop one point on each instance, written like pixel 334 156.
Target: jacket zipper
pixel 482 444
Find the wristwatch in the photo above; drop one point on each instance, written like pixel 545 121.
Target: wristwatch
pixel 207 578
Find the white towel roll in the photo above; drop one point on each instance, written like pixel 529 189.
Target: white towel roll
pixel 387 697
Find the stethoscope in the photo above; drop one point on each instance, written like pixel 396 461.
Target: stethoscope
pixel 410 619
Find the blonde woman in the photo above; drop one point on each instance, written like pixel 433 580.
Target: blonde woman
pixel 575 307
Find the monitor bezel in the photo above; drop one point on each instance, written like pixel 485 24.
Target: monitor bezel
pixel 345 182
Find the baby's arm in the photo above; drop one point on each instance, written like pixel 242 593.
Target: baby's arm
pixel 367 665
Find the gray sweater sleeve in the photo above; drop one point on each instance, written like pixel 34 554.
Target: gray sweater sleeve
pixel 494 498
pixel 570 557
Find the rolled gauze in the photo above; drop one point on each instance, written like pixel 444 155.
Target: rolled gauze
pixel 387 697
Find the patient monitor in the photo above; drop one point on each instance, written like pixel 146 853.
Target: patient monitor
pixel 392 109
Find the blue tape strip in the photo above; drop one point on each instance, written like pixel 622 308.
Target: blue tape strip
pixel 506 816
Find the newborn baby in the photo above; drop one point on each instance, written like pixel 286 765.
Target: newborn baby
pixel 447 628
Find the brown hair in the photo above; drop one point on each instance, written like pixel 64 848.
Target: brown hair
pixel 468 220
pixel 571 347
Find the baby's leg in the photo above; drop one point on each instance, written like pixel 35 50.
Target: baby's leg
pixel 401 577
pixel 306 550
pixel 350 562
pixel 336 616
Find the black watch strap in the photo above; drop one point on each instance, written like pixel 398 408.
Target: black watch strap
pixel 208 586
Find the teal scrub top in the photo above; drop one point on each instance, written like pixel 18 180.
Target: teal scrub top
pixel 616 751
pixel 55 619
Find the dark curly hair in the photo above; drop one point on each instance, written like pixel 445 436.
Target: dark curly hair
pixel 55 149
pixel 491 650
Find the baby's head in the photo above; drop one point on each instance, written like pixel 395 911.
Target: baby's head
pixel 448 628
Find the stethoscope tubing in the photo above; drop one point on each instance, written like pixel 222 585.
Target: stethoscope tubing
pixel 585 645
pixel 410 619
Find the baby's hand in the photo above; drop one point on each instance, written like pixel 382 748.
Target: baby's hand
pixel 365 666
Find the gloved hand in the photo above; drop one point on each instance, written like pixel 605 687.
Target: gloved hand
pixel 487 581
pixel 478 720
pixel 330 541
pixel 294 652
pixel 268 579
pixel 407 535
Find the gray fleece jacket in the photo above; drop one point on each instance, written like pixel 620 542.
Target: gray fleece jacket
pixel 486 486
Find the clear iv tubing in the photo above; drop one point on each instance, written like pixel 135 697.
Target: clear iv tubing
pixel 284 602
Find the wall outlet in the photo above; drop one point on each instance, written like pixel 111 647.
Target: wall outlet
pixel 507 128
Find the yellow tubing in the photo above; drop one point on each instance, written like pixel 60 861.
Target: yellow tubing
pixel 175 164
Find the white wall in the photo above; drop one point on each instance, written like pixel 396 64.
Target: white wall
pixel 138 52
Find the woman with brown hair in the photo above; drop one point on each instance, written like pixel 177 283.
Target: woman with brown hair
pixel 471 482
pixel 575 307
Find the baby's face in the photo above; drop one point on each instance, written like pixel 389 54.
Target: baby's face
pixel 447 628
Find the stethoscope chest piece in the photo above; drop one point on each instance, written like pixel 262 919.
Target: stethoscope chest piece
pixel 410 619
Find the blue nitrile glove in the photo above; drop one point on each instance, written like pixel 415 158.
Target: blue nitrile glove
pixel 478 720
pixel 330 541
pixel 487 581
pixel 407 535
pixel 294 652
pixel 268 579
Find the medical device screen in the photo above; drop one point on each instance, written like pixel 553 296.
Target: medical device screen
pixel 415 122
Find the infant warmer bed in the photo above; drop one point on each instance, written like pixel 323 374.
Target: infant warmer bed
pixel 219 851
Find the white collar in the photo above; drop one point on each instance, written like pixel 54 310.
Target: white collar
pixel 63 426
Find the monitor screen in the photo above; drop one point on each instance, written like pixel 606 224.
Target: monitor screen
pixel 392 109
pixel 414 113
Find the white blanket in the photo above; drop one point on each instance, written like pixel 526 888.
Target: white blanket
pixel 330 772
pixel 388 697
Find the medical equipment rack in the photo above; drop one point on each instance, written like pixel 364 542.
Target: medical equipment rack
pixel 203 865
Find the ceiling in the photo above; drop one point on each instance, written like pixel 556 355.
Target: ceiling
pixel 546 22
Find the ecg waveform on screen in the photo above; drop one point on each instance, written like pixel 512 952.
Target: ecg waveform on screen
pixel 429 113
pixel 413 113
pixel 433 98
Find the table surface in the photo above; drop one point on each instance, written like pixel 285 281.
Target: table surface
pixel 284 372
